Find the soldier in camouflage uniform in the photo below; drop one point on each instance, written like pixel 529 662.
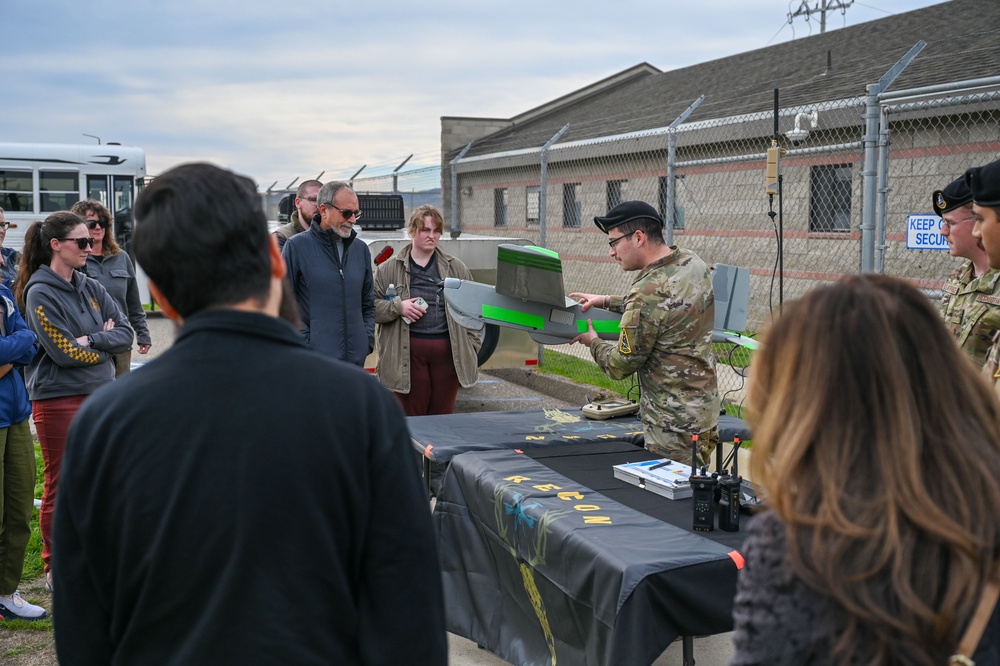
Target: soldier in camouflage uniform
pixel 666 333
pixel 984 183
pixel 970 301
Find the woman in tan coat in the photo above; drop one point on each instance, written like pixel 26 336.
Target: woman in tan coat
pixel 424 355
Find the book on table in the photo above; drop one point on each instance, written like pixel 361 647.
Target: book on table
pixel 663 477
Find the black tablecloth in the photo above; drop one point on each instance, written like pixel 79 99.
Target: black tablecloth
pixel 540 565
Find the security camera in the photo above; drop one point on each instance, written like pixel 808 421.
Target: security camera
pixel 800 134
pixel 797 136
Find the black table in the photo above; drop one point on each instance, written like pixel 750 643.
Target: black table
pixel 439 438
pixel 546 557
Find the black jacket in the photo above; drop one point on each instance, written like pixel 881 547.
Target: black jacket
pixel 196 526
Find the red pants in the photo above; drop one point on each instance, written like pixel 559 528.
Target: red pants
pixel 433 381
pixel 52 418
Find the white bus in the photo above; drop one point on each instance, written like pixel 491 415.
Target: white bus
pixel 40 178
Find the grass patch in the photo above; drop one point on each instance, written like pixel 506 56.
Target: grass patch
pixel 582 371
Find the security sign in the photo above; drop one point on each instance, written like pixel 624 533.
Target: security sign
pixel 923 232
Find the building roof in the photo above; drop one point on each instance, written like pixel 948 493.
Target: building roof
pixel 963 42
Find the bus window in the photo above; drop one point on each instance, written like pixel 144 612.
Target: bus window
pixel 58 190
pixel 15 191
pixel 97 189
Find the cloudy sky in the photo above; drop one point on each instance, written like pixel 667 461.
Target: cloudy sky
pixel 277 90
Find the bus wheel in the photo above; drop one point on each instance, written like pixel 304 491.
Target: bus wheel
pixel 491 336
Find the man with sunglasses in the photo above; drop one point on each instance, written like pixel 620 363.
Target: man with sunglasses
pixel 330 271
pixel 666 333
pixel 970 301
pixel 305 209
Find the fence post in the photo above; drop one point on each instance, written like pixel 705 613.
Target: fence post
pixel 395 175
pixel 670 214
pixel 883 189
pixel 543 184
pixel 870 143
pixel 454 228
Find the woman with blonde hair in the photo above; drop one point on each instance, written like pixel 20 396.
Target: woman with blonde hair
pixel 877 445
pixel 424 355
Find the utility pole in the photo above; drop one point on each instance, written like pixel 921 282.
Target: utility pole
pixel 821 7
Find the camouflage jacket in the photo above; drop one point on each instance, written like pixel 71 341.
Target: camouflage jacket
pixel 666 338
pixel 971 310
pixel 991 369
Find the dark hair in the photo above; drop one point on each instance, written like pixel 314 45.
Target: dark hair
pixel 109 245
pixel 38 251
pixel 877 443
pixel 201 236
pixel 652 228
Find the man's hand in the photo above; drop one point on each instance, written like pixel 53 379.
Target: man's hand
pixel 587 337
pixel 588 301
pixel 144 348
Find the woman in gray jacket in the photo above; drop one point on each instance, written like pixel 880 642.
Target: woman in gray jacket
pixel 423 353
pixel 79 328
pixel 113 268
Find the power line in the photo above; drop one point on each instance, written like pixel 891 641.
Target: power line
pixel 820 7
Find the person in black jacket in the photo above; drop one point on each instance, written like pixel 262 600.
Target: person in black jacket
pixel 331 273
pixel 194 527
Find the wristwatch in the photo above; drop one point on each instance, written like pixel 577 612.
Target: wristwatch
pixel 90 340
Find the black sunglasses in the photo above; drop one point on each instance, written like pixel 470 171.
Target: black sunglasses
pixel 82 243
pixel 93 223
pixel 348 214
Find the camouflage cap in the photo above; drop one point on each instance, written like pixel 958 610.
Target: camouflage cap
pixel 627 211
pixel 955 195
pixel 984 182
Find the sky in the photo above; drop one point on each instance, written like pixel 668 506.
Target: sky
pixel 285 90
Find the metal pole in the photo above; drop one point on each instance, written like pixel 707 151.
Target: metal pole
pixel 883 189
pixel 870 142
pixel 670 214
pixel 453 226
pixel 395 174
pixel 543 186
pixel 350 181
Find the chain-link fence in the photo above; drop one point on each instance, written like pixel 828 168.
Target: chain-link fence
pixel 418 186
pixel 707 180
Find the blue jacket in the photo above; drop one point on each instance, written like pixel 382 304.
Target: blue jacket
pixel 18 346
pixel 336 296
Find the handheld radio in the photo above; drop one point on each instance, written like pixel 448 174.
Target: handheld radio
pixel 729 495
pixel 703 492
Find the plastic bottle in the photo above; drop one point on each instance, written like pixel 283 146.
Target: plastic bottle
pixel 391 292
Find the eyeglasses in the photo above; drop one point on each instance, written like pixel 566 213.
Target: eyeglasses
pixel 5 225
pixel 91 224
pixel 313 199
pixel 952 225
pixel 615 242
pixel 348 214
pixel 82 243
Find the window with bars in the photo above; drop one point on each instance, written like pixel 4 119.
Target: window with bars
pixel 830 198
pixel 572 213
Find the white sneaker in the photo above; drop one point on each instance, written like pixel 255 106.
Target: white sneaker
pixel 13 607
